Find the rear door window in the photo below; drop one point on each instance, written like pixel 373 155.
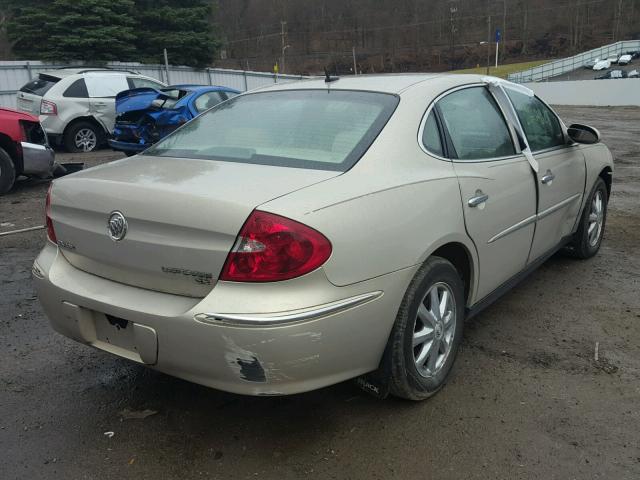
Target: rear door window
pixel 105 86
pixel 475 125
pixel 40 85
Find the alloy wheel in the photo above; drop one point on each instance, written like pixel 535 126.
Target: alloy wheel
pixel 434 329
pixel 596 219
pixel 85 139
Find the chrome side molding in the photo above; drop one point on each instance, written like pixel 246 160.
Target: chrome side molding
pixel 280 318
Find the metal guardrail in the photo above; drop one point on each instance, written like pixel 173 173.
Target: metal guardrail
pixel 14 74
pixel 569 64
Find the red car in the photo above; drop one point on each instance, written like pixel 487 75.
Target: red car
pixel 24 149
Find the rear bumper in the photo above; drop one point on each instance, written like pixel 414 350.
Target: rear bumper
pixel 127 147
pixel 291 351
pixel 37 159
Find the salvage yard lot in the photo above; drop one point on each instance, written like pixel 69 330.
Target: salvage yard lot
pixel 526 399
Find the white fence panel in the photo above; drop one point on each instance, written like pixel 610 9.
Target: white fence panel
pixel 14 74
pixel 620 92
pixel 569 64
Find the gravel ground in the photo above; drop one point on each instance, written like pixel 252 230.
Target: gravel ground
pixel 526 398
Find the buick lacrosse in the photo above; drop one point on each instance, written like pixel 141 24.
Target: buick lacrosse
pixel 308 233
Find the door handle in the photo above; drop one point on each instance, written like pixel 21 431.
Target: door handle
pixel 548 178
pixel 479 199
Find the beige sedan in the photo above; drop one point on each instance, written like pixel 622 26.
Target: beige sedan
pixel 310 233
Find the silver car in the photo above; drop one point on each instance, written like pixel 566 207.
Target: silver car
pixel 315 232
pixel 76 106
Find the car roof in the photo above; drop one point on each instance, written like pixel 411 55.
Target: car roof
pixel 386 83
pixel 67 72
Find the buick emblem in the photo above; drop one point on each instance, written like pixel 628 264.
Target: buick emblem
pixel 117 226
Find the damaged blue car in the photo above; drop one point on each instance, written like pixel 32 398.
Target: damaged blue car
pixel 146 115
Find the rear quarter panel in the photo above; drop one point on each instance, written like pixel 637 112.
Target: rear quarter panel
pixel 394 208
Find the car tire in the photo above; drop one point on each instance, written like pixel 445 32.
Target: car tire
pixel 587 239
pixel 7 172
pixel 411 379
pixel 83 137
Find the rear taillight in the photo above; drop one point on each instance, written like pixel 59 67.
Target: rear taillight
pixel 271 248
pixel 51 234
pixel 48 108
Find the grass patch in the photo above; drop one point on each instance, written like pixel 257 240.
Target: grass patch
pixel 503 70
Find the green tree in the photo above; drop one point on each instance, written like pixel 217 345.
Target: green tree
pixel 102 30
pixel 184 28
pixel 92 30
pixel 26 27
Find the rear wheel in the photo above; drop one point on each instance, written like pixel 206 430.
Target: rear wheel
pixel 428 330
pixel 7 172
pixel 83 137
pixel 587 240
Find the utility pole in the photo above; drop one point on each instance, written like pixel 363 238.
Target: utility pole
pixel 166 66
pixel 452 48
pixel 284 46
pixel 488 37
pixel 504 29
pixel 355 65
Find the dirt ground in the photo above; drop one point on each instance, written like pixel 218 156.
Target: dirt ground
pixel 526 398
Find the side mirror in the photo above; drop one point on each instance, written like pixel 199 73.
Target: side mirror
pixel 583 134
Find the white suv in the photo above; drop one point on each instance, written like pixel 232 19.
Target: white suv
pixel 76 106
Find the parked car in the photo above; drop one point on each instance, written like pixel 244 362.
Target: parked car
pixel 145 115
pixel 625 59
pixel 308 233
pixel 590 64
pixel 602 65
pixel 77 105
pixel 613 74
pixel 633 74
pixel 24 149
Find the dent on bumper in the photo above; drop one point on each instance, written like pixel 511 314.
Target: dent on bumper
pixel 338 341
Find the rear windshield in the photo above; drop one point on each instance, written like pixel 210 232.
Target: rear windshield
pixel 41 85
pixel 318 129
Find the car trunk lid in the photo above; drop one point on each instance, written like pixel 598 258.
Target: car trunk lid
pixel 182 216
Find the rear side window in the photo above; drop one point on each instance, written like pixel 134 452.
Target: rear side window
pixel 540 124
pixel 431 136
pixel 318 129
pixel 475 125
pixel 41 85
pixel 77 89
